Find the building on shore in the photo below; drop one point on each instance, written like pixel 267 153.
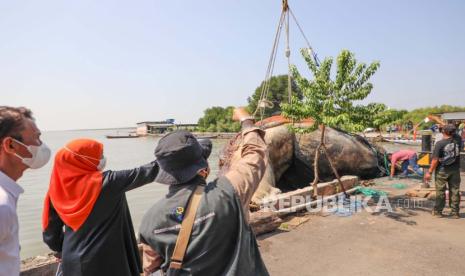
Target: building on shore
pixel 453 117
pixel 161 127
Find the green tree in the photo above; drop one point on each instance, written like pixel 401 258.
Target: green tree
pixel 419 114
pixel 331 102
pixel 277 94
pixel 387 116
pixel 377 115
pixel 218 119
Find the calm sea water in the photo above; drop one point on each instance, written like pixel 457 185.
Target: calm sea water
pixel 120 153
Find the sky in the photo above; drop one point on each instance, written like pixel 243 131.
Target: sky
pixel 102 64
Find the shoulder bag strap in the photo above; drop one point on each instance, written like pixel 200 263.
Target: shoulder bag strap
pixel 186 229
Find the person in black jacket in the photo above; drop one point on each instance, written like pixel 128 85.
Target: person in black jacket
pixel 86 218
pixel 446 165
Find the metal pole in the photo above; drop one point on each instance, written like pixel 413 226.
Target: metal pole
pixel 426 148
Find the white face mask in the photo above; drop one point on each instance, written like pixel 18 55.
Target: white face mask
pixel 101 164
pixel 40 155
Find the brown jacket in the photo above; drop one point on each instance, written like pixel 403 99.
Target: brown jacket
pixel 245 174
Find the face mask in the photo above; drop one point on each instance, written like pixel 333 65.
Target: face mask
pixel 102 162
pixel 40 155
pixel 204 172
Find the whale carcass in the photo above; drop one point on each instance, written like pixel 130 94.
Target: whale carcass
pixel 291 156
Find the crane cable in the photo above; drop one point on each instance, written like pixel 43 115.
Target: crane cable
pixel 309 47
pixel 288 56
pixel 261 104
pixel 283 20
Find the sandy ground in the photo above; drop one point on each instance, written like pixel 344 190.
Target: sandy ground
pixel 408 241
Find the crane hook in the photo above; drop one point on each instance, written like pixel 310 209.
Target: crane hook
pixel 285 6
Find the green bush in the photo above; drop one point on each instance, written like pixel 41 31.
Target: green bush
pixel 218 119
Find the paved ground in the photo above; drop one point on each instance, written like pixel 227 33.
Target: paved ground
pixel 405 242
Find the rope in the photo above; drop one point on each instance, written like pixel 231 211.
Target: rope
pixel 283 20
pixel 315 57
pixel 270 69
pixel 386 164
pixel 288 55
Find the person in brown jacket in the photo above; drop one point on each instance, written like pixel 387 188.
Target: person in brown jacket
pixel 222 241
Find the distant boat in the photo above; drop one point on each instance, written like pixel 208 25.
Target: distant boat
pixel 404 141
pixel 207 137
pixel 122 136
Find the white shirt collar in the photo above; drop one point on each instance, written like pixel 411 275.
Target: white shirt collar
pixel 10 185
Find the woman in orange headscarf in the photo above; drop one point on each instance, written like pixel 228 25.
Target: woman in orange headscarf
pixel 86 217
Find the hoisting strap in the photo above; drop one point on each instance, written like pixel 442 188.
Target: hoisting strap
pixel 283 20
pixel 270 68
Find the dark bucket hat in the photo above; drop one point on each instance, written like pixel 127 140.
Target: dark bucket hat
pixel 180 157
pixel 206 145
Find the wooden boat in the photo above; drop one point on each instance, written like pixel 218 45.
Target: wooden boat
pixel 207 137
pixel 404 141
pixel 122 136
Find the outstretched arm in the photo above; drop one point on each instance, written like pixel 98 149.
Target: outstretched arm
pixel 393 169
pixel 126 180
pixel 434 162
pixel 394 159
pixel 246 173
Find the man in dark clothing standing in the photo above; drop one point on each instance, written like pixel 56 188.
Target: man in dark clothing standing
pixel 221 242
pixel 446 165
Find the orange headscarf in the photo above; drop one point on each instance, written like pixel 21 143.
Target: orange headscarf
pixel 75 183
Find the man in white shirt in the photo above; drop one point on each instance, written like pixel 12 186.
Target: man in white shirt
pixel 20 149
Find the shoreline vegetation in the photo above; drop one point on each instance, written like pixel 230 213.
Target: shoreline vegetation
pixel 413 116
pixel 378 115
